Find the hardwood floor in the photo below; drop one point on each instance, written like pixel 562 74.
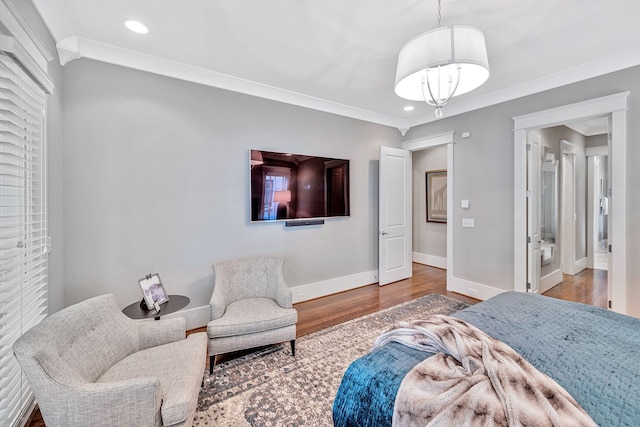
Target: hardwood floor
pixel 589 287
pixel 331 310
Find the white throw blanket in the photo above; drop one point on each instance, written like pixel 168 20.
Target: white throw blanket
pixel 474 380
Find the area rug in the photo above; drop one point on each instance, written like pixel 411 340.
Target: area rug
pixel 269 387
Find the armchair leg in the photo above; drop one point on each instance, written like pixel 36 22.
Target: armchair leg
pixel 212 363
pixel 293 347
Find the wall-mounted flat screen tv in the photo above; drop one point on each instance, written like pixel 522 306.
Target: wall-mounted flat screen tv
pixel 286 186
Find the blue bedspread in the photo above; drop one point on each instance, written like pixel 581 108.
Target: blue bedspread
pixel 593 353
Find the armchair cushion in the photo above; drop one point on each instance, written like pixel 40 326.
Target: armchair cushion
pixel 251 315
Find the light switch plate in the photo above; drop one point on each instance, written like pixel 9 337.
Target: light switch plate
pixel 468 223
pixel 464 204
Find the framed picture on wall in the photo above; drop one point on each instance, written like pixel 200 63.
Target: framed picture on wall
pixel 436 196
pixel 152 290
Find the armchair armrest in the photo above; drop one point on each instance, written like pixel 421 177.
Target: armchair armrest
pixel 283 295
pixel 134 402
pixel 67 399
pixel 158 332
pixel 217 304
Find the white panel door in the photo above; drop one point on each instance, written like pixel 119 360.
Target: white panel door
pixel 533 213
pixel 394 240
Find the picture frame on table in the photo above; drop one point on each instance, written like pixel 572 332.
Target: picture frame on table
pixel 436 185
pixel 153 292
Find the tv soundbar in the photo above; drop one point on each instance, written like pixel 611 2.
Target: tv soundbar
pixel 301 222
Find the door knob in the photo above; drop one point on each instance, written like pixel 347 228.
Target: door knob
pixel 383 233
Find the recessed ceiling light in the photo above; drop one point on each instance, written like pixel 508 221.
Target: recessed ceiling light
pixel 136 27
pixel 408 108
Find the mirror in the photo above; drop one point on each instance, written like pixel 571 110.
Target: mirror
pixel 548 208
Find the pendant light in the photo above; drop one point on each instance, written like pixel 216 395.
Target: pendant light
pixel 442 63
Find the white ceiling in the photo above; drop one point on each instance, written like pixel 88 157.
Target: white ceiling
pixel 340 55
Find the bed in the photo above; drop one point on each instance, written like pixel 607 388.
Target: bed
pixel 594 354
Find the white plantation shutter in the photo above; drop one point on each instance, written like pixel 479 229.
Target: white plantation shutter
pixel 23 227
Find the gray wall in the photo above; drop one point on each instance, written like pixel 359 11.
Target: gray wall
pixel 156 180
pixel 483 173
pixel 429 238
pixel 596 141
pixel 54 159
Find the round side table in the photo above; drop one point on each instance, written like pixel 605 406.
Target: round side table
pixel 175 303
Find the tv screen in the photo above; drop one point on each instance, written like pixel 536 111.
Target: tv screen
pixel 286 186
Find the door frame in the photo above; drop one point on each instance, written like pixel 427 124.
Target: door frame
pixel 534 267
pixel 430 142
pixel 616 106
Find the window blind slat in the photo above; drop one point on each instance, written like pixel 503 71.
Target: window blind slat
pixel 28 130
pixel 23 227
pixel 16 113
pixel 24 94
pixel 7 138
pixel 13 70
pixel 7 268
pixel 28 111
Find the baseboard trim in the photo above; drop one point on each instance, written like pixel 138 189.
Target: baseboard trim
pixel 550 280
pixel 432 260
pixel 472 289
pixel 580 265
pixel 333 286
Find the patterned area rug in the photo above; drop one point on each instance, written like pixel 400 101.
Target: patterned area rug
pixel 270 388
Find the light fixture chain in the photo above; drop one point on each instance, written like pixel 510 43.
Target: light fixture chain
pixel 439 12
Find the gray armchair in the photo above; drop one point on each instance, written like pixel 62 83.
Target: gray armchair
pixel 90 365
pixel 251 306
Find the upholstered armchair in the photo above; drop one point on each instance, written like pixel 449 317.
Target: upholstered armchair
pixel 90 365
pixel 251 306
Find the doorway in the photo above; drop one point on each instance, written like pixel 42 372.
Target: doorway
pixel 402 257
pixel 429 228
pixel 614 106
pixel 560 208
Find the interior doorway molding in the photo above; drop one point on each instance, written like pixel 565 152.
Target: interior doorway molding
pixel 430 142
pixel 616 106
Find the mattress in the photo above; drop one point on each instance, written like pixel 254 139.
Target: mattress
pixel 592 353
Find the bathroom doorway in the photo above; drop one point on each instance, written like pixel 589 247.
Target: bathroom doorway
pixel 559 210
pixel 614 109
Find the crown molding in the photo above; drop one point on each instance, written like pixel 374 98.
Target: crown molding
pixel 599 67
pixel 75 47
